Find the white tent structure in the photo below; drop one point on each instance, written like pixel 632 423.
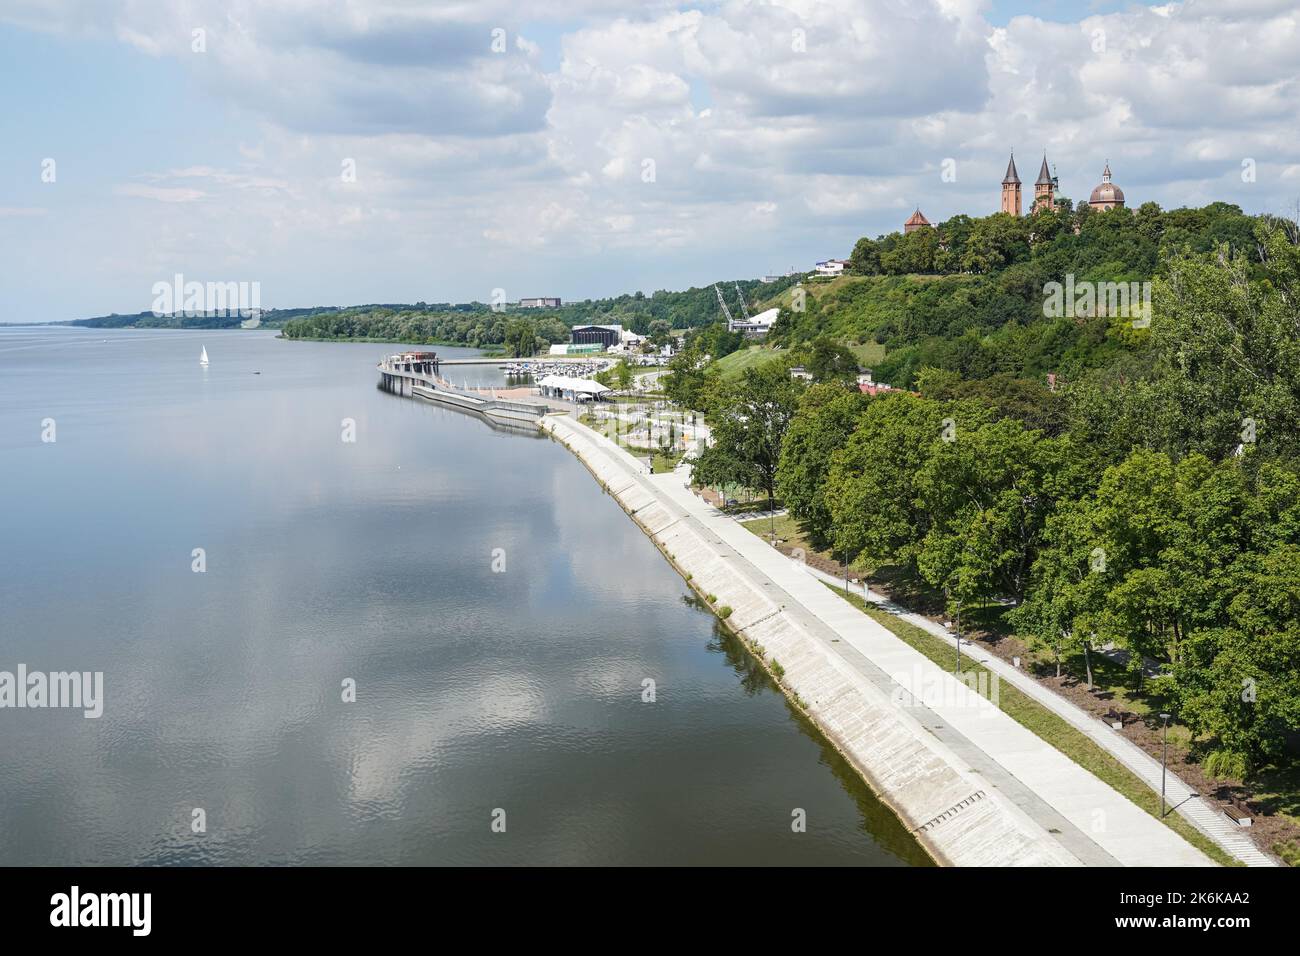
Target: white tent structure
pixel 572 389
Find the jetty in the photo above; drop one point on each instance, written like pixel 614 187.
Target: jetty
pixel 416 375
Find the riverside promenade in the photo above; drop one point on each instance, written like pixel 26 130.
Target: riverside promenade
pixel 975 787
pixel 1181 797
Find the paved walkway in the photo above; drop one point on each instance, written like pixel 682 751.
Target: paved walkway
pixel 1095 823
pixel 1181 797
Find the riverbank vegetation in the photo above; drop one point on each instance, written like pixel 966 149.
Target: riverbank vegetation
pixel 517 330
pixel 1132 522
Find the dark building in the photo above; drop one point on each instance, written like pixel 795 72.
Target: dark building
pixel 606 335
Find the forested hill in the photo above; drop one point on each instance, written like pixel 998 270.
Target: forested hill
pixel 269 318
pixel 968 295
pixel 473 323
pixel 479 325
pixel 1073 483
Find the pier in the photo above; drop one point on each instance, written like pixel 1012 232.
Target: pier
pixel 415 375
pixel 400 373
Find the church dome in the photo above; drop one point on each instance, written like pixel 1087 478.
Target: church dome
pixel 1106 193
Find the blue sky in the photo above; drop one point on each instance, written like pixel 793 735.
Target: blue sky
pixel 610 147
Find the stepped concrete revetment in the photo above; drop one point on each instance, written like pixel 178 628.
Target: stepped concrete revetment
pixel 975 787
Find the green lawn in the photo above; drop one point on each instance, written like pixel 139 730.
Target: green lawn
pixel 733 365
pixel 868 353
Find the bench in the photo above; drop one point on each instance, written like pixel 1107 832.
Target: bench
pixel 1238 814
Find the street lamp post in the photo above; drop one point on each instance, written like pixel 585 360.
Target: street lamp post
pixel 958 671
pixel 1164 760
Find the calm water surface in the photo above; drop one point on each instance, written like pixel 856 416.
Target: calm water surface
pixel 370 561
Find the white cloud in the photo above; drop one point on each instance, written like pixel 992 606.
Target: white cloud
pixel 160 193
pixel 786 144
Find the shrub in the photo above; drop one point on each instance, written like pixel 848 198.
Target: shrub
pixel 1226 763
pixel 724 612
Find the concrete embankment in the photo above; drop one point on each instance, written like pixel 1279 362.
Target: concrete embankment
pixel 956 814
pixel 503 411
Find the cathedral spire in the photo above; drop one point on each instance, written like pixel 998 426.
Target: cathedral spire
pixel 1012 176
pixel 1044 176
pixel 1011 189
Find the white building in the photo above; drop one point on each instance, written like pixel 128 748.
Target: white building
pixel 755 326
pixel 572 389
pixel 832 267
pixel 628 342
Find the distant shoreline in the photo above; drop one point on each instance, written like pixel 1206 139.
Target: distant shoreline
pixel 383 341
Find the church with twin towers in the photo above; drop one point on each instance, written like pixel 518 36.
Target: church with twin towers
pixel 1106 195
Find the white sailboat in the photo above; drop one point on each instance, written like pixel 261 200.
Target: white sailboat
pixel 203 359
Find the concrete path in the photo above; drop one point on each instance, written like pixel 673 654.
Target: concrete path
pixel 1180 796
pixel 1100 825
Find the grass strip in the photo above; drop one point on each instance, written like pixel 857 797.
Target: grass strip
pixel 1049 727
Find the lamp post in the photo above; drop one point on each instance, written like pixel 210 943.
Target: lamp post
pixel 1164 760
pixel 958 671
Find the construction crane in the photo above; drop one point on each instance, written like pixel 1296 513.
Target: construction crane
pixel 741 296
pixel 723 302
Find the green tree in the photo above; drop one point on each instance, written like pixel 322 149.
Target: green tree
pixel 826 417
pixel 865 258
pixel 1239 684
pixel 871 482
pixel 748 422
pixel 623 375
pixel 521 338
pixel 1227 347
pixel 988 493
pixel 830 361
pixel 689 378
pixel 1068 586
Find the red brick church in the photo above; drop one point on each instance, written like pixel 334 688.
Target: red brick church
pixel 1105 196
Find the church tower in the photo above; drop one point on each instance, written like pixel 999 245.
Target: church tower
pixel 1044 189
pixel 1011 189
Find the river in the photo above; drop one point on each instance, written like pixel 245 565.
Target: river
pixel 497 613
